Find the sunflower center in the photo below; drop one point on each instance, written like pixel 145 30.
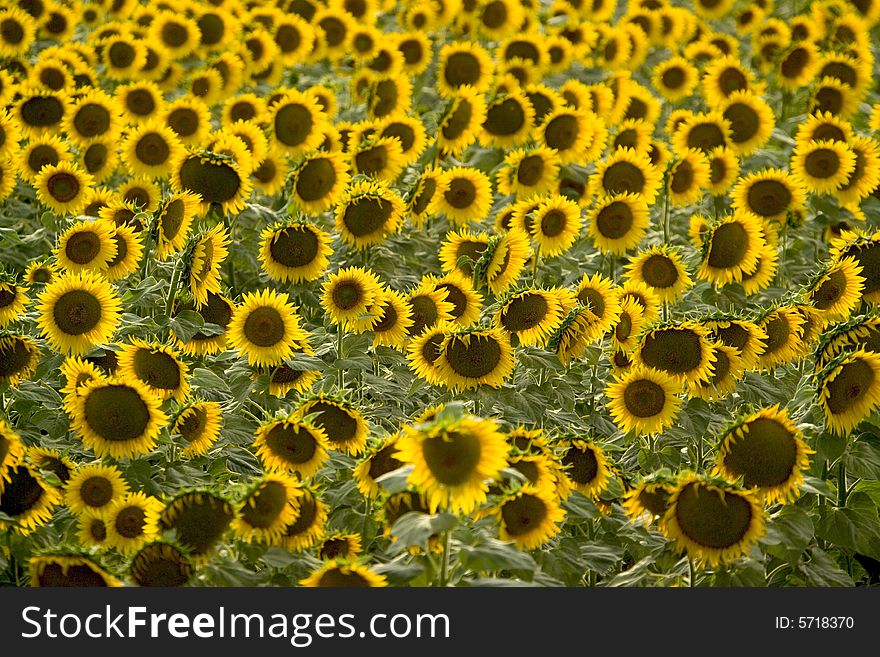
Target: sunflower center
pixel 615 220
pixel 291 443
pixel 15 357
pixel 41 156
pixel 347 295
pixel 117 413
pixel 308 513
pixel 530 170
pixel 335 578
pixel 524 313
pixel 644 398
pixel 193 424
pixel 729 245
pixel 96 491
pixel 199 519
pixel 172 218
pixel 705 137
pixel 264 327
pixel 97 530
pixel 456 297
pixel 822 163
pixel 12 31
pixel 673 77
pixel 83 247
pixel 76 575
pixel 793 63
pixel 682 178
pixel 851 384
pixel 337 423
pixel 624 327
pixel 77 312
pixel 673 350
pixel 95 157
pixel 461 193
pixel 215 182
pixel 623 177
pixel 768 198
pixel 721 367
pixel 316 179
pixel 265 505
pixel 717 170
pixel 553 223
pixel 160 565
pixel 430 351
pixel 711 519
pixel 494 15
pixel 732 79
pixel 293 124
pixel 140 102
pixel 744 122
pixel 367 215
pixel 453 457
pixel 580 465
pixel 121 251
pixel 152 149
pixel 593 300
pixel 857 173
pixel 764 456
pixel 7 297
pixel 121 54
pixel 174 35
pixel 458 121
pixel 21 493
pixel 383 462
pixel 505 118
pixel 462 68
pixel 130 521
pixel 294 246
pixel 63 186
pixel 157 369
pixel 733 336
pixel 659 271
pixel 523 514
pixel 562 132
pixel 830 291
pixel 474 358
pixel 424 313
pixel 184 121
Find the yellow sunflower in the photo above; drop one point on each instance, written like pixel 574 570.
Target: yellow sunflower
pixel 682 350
pixel 378 461
pixel 643 400
pixel 585 466
pixel 199 519
pixel 661 268
pixel 308 526
pixel 319 181
pixel 746 337
pixel 342 574
pixel 63 188
pixel 27 499
pixel 86 245
pixel 462 63
pixel 423 353
pixel 822 167
pixel 157 366
pixel 688 178
pixel 532 316
pixel 784 327
pixel 133 521
pixel 291 445
pixel 174 220
pixel 838 291
pixel 731 249
pixel 368 212
pixel 295 252
pixel 529 517
pixel 350 293
pixel 203 270
pixel 556 224
pixel 264 328
pixel 476 356
pixel 13 301
pixel 467 196
pixel 344 426
pixel 619 222
pixel 73 570
pixel 199 424
pixel 19 356
pixel 849 390
pixel 267 508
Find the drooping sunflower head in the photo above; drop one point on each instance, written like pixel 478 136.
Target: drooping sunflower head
pixel 648 500
pixel 68 570
pixel 118 417
pixel 199 520
pixel 586 466
pixel 453 458
pixel 715 522
pixel 174 220
pixel 161 564
pixel 765 451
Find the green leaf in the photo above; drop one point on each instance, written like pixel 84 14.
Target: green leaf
pixel 789 532
pixel 600 557
pixel 493 555
pixel 396 480
pixel 415 528
pixel 186 324
pixel 862 459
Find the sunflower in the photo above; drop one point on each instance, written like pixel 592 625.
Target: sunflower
pixel 683 351
pixel 199 519
pixel 199 424
pixel 123 55
pixel 92 529
pixel 675 79
pixel 532 316
pixel 41 152
pixel 822 166
pixel 453 459
pixel 368 212
pixel 160 564
pixel 467 195
pixel 129 253
pixel 864 179
pixel 556 224
pixel 78 311
pixel 713 521
pixel 140 101
pixel 427 306
pixel 578 328
pixel 835 97
pixel 529 172
pixel 379 157
pixel 12 451
pixel 662 270
pixel 13 300
pixel 472 357
pixel 343 426
pixel 767 452
pixel 409 131
pixel 420 200
pixel 218 311
pixel 599 294
pixel 19 355
pixel 644 297
pixel 688 177
pixel 319 181
pixel 267 508
pixel 797 65
pixel 307 528
pixel 643 400
pixel 576 135
pixel 838 291
pixel 295 252
pixel 219 179
pixel 379 460
pixel 731 249
pixel 423 353
pixel 40 111
pixel 628 326
pixel 350 293
pixel 504 260
pixel 626 172
pixel 723 170
pixel 343 574
pixel 203 271
pixel 63 188
pixel 17 31
pixel 461 250
pixel 458 126
pixel 538 469
pixel 724 77
pixel 849 390
pixel 68 571
pixel 264 328
pixel 174 219
pixel 784 327
pixel 296 122
pixel 291 445
pixel 529 517
pixel 751 121
pixel 509 121
pixel 156 366
pixel 150 149
pixel 462 63
pixel 635 134
pixel 26 498
pixel 746 337
pixel 585 466
pixel 727 369
pixel 86 245
pixel 648 500
pixel 133 521
pixel 189 118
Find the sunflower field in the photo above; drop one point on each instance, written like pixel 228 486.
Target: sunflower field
pixel 439 293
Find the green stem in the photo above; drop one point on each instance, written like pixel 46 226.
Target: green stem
pixel 444 565
pixel 692 573
pixel 339 335
pixel 841 485
pixel 148 243
pixel 172 289
pixel 666 213
pixel 230 261
pixel 368 507
pixel 535 267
